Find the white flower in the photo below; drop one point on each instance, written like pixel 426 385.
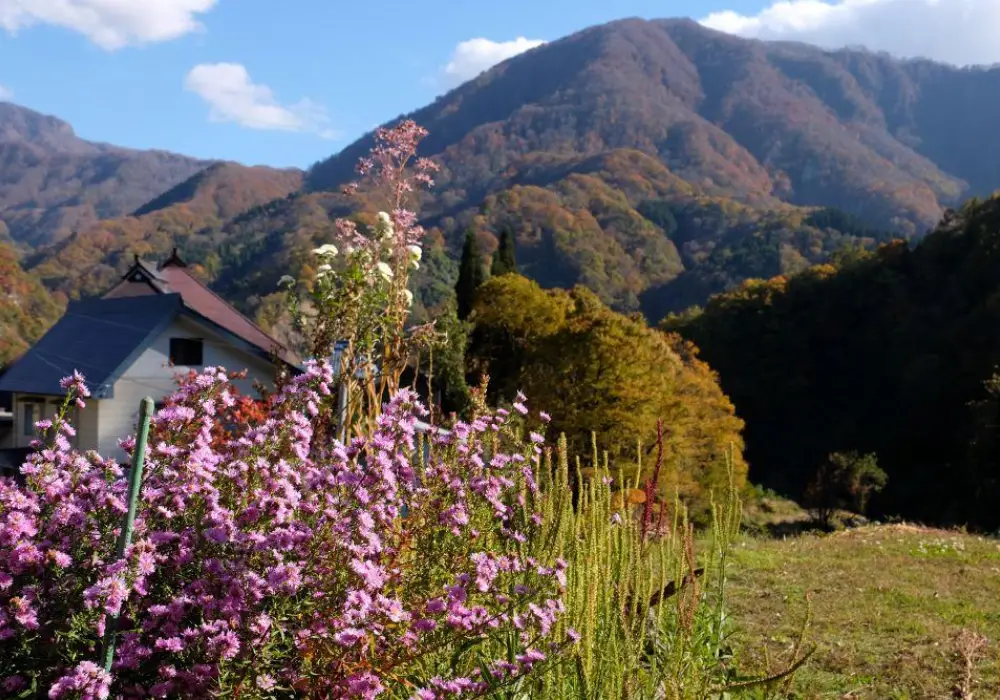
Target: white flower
pixel 286 280
pixel 323 270
pixel 384 227
pixel 385 271
pixel 409 297
pixel 416 265
pixel 415 251
pixel 326 249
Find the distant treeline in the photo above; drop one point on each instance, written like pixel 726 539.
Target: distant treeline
pixel 892 352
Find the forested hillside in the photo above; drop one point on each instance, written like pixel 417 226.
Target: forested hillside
pixel 185 217
pixel 26 307
pixel 894 353
pixel 581 144
pixel 654 162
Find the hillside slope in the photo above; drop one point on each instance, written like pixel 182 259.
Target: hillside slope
pixel 656 162
pixel 892 141
pixel 894 353
pixel 26 307
pixel 185 217
pixel 53 183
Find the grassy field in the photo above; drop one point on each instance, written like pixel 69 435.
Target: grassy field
pixel 896 611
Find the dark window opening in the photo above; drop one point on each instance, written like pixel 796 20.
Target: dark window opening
pixel 186 352
pixel 29 419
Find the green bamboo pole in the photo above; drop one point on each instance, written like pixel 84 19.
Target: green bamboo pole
pixel 125 538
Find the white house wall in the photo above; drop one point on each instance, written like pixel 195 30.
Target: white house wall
pixel 85 421
pixel 150 375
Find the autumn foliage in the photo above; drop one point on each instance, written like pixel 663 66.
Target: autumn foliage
pixel 609 375
pixel 26 308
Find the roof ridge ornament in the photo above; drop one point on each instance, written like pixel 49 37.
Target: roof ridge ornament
pixel 173 261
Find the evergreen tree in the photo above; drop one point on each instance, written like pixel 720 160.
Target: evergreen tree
pixel 449 362
pixel 471 274
pixel 505 259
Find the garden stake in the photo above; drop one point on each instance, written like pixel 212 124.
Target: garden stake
pixel 125 539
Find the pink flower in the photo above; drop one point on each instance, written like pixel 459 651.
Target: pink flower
pixel 365 685
pixel 174 644
pixel 75 384
pixel 349 637
pixel 12 684
pixel 87 681
pixel 371 574
pixel 530 658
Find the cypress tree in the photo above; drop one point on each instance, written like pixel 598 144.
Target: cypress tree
pixel 471 274
pixel 505 259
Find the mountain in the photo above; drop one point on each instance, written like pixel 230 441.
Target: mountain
pixel 73 214
pixel 745 138
pixel 656 162
pixel 894 142
pixel 185 217
pixel 53 183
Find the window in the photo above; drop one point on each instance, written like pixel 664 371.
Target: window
pixel 29 419
pixel 186 352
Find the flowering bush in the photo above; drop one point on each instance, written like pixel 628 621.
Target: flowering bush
pixel 268 566
pixel 270 560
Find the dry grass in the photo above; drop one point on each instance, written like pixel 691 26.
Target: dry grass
pixel 899 611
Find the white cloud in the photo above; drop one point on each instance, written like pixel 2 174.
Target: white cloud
pixel 234 97
pixel 472 57
pixel 111 24
pixel 960 32
pixel 6 94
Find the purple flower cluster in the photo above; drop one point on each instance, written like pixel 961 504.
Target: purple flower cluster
pixel 264 561
pixel 88 681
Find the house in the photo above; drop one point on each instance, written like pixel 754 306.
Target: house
pixel 156 323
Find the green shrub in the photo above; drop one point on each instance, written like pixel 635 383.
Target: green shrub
pixel 845 481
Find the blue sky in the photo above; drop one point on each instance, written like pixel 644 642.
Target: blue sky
pixel 241 80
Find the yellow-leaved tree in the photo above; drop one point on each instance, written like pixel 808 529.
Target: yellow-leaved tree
pixel 602 373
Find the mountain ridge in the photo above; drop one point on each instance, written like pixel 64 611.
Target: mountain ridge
pixel 654 161
pixel 54 183
pixel 711 93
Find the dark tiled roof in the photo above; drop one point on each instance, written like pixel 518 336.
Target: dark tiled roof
pixel 100 338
